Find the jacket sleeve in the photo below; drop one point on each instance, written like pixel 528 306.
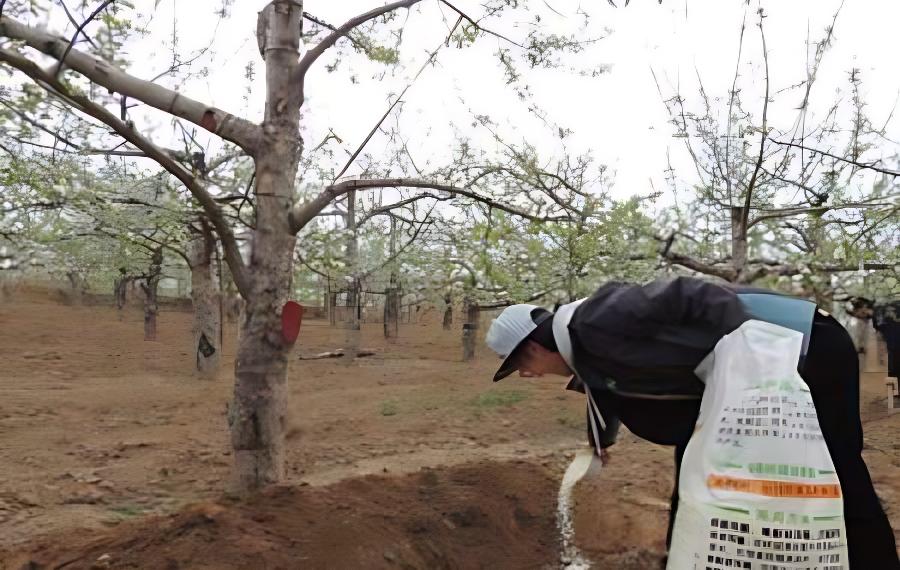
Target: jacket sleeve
pixel 640 311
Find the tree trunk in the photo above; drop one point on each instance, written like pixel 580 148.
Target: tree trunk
pixel 328 302
pixel 738 242
pixel 352 329
pixel 448 312
pixel 570 286
pixel 353 305
pixel 470 329
pixel 392 293
pixel 332 308
pixel 150 287
pixel 135 288
pixel 352 325
pixel 207 344
pixel 76 288
pixel 120 291
pixel 220 294
pixel 257 414
pixel 392 311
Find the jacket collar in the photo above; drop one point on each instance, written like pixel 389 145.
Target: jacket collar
pixel 561 320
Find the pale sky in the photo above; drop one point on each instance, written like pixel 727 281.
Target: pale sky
pixel 618 116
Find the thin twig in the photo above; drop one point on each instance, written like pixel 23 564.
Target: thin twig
pixel 399 98
pixel 479 26
pixel 862 165
pixel 94 14
pixel 745 213
pixel 732 95
pixel 75 22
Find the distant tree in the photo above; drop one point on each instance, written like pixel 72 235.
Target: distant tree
pixel 768 203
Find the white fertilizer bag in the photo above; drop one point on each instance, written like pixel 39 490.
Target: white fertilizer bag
pixel 757 487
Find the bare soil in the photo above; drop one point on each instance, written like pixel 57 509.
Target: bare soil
pixel 111 449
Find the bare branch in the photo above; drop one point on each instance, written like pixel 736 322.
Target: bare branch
pixel 170 247
pixel 399 98
pixel 874 225
pixel 731 97
pixel 726 273
pixel 332 38
pixel 479 26
pixel 75 22
pixel 391 207
pixel 303 213
pixel 309 266
pixel 751 186
pixel 400 250
pixel 94 14
pixel 37 124
pixel 224 159
pixel 326 25
pixel 863 165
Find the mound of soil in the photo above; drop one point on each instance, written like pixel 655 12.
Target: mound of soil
pixel 486 515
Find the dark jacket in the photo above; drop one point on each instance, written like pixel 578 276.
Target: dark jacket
pixel 636 348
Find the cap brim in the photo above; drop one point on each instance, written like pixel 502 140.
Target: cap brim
pixel 510 363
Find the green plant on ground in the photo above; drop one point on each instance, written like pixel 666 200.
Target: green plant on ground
pixel 389 408
pixel 128 511
pixel 499 399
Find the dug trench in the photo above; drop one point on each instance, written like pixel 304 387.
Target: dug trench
pixel 478 515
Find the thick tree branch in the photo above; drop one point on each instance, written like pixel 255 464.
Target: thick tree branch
pixel 235 129
pixel 726 273
pixel 306 211
pixel 788 269
pixel 764 267
pixel 789 212
pixel 34 205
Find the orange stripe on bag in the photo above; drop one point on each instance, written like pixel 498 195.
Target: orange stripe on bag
pixel 774 488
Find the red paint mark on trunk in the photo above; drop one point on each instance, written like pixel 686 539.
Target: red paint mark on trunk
pixel 208 121
pixel 291 316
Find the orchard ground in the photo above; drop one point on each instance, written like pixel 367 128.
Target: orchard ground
pixel 114 455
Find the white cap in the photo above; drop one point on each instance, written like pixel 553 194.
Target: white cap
pixel 508 331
